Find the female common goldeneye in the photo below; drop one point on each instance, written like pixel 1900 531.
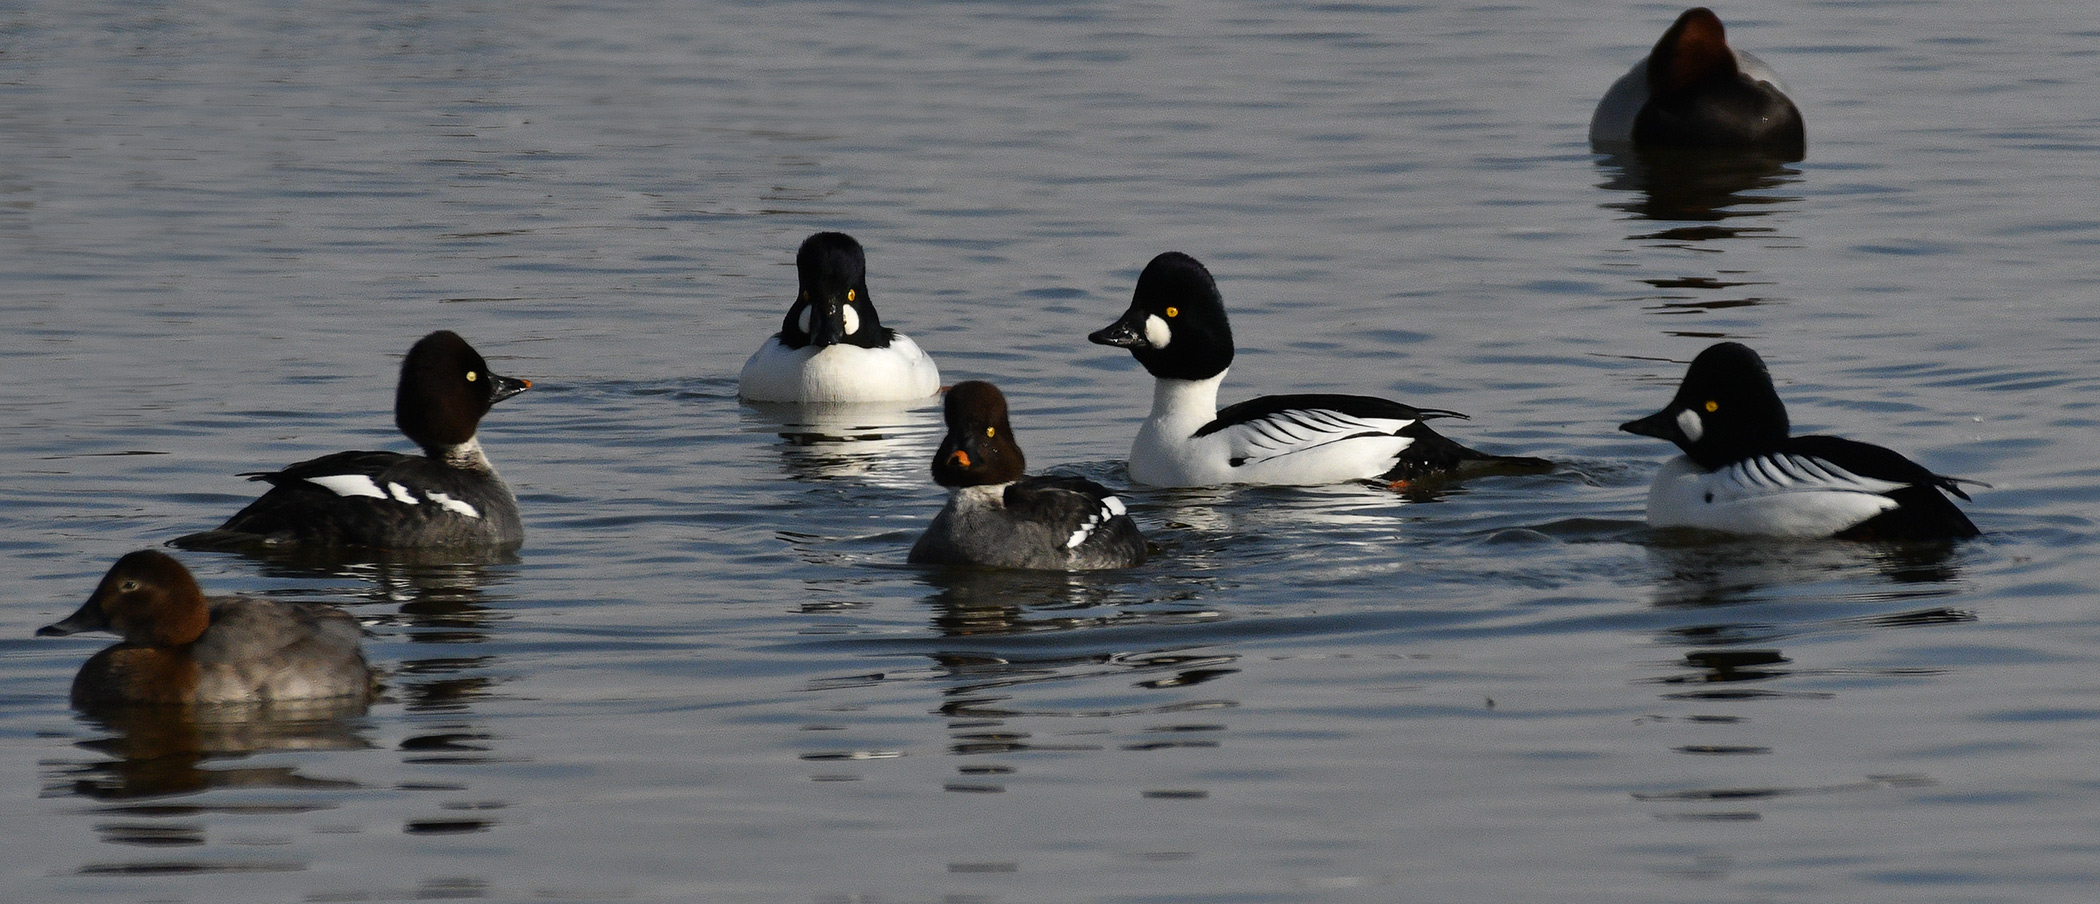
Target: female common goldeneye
pixel 1694 91
pixel 448 496
pixel 1176 328
pixel 181 648
pixel 832 347
pixel 1741 472
pixel 999 518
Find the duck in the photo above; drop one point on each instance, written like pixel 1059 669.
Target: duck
pixel 449 496
pixel 1177 329
pixel 832 346
pixel 998 517
pixel 1743 473
pixel 181 648
pixel 1695 91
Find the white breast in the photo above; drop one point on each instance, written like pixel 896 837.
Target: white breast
pixel 839 373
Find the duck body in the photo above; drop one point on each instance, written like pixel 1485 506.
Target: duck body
pixel 448 496
pixel 1177 329
pixel 1695 91
pixel 896 372
pixel 181 648
pixel 832 346
pixel 998 518
pixel 1741 472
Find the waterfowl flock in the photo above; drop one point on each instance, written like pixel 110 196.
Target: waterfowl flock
pixel 1741 471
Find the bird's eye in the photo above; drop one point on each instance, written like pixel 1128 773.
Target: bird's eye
pixel 1173 312
pixel 805 295
pixel 128 586
pixel 472 376
pixel 1712 406
pixel 850 294
pixel 989 431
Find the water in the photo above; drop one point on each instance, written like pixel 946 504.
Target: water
pixel 709 676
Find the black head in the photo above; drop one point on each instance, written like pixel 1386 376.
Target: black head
pixel 146 598
pixel 1725 408
pixel 1699 96
pixel 445 389
pixel 979 448
pixel 833 307
pixel 1176 325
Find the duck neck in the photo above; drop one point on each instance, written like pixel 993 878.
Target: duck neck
pixel 1181 407
pixel 981 496
pixel 465 456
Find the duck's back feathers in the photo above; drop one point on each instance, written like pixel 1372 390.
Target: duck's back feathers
pixel 257 651
pixel 372 499
pixel 1043 523
pixel 1694 91
pixel 1272 427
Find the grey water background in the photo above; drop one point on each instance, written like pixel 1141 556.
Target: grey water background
pixel 708 676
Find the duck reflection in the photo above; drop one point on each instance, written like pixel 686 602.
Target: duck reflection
pixel 1702 570
pixel 884 443
pixel 1701 188
pixel 1730 661
pixel 976 601
pixel 162 750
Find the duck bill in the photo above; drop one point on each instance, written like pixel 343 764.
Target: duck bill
pixel 1661 425
pixel 1128 332
pixel 954 461
pixel 507 387
pixel 88 618
pixel 828 327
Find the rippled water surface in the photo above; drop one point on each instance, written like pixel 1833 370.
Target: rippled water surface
pixel 709 676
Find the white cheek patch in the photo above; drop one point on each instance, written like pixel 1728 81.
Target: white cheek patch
pixel 453 505
pixel 1690 422
pixel 852 321
pixel 402 495
pixel 1157 333
pixel 348 485
pixel 802 322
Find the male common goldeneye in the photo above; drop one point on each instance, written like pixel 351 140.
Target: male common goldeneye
pixel 999 518
pixel 1694 91
pixel 180 648
pixel 1741 472
pixel 831 346
pixel 1176 328
pixel 448 496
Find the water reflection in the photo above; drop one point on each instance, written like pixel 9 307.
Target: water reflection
pixel 1704 188
pixel 1734 661
pixel 883 443
pixel 162 750
pixel 980 601
pixel 1703 570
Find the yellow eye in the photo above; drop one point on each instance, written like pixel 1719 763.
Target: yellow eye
pixel 850 294
pixel 472 376
pixel 1171 312
pixel 1712 407
pixel 989 431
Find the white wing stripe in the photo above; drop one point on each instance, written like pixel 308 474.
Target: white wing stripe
pixel 1798 473
pixel 348 485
